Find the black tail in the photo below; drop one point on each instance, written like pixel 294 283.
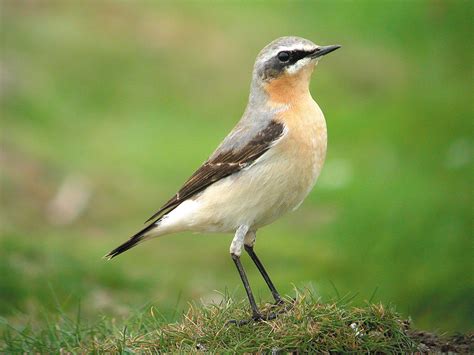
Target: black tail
pixel 134 240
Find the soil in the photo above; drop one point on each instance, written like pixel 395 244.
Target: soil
pixel 429 342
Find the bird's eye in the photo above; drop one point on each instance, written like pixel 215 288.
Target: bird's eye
pixel 283 56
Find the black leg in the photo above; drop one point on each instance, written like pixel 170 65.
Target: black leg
pixel 260 267
pixel 255 313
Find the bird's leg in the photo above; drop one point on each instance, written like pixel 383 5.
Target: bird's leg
pixel 242 234
pixel 256 315
pixel 258 263
pixel 249 243
pixel 235 251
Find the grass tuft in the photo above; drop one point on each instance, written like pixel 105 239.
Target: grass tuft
pixel 303 324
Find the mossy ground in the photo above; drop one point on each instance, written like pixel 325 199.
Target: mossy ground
pixel 303 324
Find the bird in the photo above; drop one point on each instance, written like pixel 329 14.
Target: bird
pixel 264 168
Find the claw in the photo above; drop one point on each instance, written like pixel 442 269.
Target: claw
pixel 258 317
pixel 237 322
pixel 283 305
pixel 279 302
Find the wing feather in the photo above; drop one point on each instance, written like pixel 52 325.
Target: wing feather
pixel 222 164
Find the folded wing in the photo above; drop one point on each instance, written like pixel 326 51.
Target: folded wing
pixel 222 163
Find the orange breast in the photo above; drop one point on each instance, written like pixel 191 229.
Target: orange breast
pixel 289 89
pixel 304 145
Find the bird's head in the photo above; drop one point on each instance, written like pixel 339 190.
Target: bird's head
pixel 286 64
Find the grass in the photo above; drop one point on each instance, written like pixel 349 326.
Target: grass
pixel 303 324
pixel 131 97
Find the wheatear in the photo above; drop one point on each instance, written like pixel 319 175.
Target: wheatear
pixel 264 168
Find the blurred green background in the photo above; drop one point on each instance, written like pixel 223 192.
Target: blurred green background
pixel 109 106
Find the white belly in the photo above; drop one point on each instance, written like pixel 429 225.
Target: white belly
pixel 254 197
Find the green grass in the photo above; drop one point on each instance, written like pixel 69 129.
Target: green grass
pixel 303 324
pixel 133 97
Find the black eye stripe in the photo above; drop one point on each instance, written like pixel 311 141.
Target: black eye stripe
pixel 281 60
pixel 296 55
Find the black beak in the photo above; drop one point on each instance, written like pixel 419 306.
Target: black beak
pixel 320 51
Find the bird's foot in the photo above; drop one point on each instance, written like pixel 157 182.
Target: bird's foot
pixel 279 302
pixel 260 317
pixel 257 317
pixel 284 305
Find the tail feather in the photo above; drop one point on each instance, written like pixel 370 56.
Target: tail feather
pixel 134 240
